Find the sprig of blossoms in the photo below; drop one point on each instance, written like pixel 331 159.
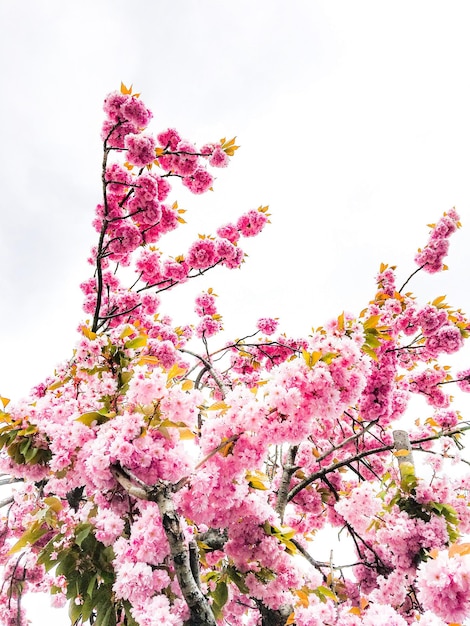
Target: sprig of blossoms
pixel 430 258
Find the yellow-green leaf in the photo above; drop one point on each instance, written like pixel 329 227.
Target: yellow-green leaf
pixel 53 503
pixel 127 330
pixel 311 358
pixel 370 352
pixel 372 322
pixel 138 342
pixel 89 418
pixel 175 371
pixel 29 537
pixel 58 384
pixel 326 592
pixel 186 434
pixel 341 321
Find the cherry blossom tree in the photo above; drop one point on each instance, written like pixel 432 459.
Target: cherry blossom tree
pixel 166 475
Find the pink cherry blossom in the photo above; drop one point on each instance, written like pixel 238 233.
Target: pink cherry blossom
pixel 140 149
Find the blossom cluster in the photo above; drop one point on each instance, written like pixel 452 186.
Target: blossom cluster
pixel 135 213
pixel 430 258
pixel 155 468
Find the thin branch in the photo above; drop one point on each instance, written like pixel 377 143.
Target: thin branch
pixel 208 367
pixel 320 474
pixel 410 277
pixel 10 481
pixel 316 564
pixel 345 442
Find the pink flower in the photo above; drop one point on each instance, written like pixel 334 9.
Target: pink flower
pixel 447 339
pixel 431 319
pixel 136 112
pixel 208 326
pixel 267 325
pixel 118 179
pixel 431 257
pixel 115 135
pixel 109 526
pixel 444 586
pixel 202 254
pixel 175 270
pixel 112 106
pixel 185 164
pixel 230 232
pixel 169 139
pixel 205 304
pixel 251 223
pixel 219 158
pixel 140 149
pixel 231 255
pixel 125 237
pixel 199 181
pixel 463 380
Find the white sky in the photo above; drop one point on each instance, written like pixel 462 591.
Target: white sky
pixel 354 122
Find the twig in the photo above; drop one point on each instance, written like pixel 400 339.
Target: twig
pixel 410 277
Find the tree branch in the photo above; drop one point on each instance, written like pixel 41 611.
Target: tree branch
pixel 320 474
pixel 288 469
pixel 201 613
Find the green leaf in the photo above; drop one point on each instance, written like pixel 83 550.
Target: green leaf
pixel 236 577
pixel 82 534
pixel 31 454
pixel 328 357
pixel 87 608
pixel 75 611
pixel 220 593
pixel 92 417
pixel 67 565
pixel 371 340
pixel 325 592
pixel 220 597
pixel 127 608
pixel 91 585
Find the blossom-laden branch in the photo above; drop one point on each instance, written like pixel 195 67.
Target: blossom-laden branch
pixel 320 474
pixel 201 614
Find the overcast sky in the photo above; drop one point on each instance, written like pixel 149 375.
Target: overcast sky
pixel 354 122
